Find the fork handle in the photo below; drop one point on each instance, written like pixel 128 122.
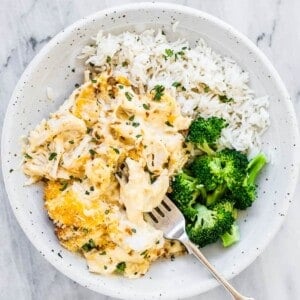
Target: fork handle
pixel 192 248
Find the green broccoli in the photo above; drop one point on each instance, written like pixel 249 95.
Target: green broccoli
pixel 210 224
pixel 231 236
pixel 204 133
pixel 185 191
pixel 245 192
pixel 219 172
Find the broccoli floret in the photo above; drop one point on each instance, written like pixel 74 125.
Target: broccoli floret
pixel 210 224
pixel 204 133
pixel 245 192
pixel 231 236
pixel 201 168
pixel 219 172
pixel 185 191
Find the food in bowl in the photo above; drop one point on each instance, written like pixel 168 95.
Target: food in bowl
pixel 150 117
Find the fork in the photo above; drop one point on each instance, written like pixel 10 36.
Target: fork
pixel 169 219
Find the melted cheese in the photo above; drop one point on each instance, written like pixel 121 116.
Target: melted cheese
pixel 107 155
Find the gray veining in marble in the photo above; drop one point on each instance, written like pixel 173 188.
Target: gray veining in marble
pixel 27 25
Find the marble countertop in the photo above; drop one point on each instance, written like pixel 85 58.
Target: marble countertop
pixel 27 25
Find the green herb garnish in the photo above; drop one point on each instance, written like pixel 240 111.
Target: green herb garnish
pixel 176 84
pixel 224 99
pixel 206 89
pixel 92 152
pixel 108 59
pixel 128 96
pixel 26 155
pixel 64 186
pixel 89 246
pixel 159 92
pixel 116 150
pixel 169 52
pixel 52 156
pixel 146 106
pixel 120 268
pixel 135 124
pixel 168 124
pixel 131 118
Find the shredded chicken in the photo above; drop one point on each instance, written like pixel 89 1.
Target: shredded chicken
pixel 108 154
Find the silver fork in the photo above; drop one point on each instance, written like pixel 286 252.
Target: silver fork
pixel 168 218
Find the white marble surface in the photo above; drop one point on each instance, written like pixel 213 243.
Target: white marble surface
pixel 26 26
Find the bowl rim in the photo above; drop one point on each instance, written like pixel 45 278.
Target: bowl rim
pixel 135 7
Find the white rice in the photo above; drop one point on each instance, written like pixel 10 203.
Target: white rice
pixel 247 116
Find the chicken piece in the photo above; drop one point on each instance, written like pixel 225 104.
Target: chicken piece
pixel 58 124
pixel 138 194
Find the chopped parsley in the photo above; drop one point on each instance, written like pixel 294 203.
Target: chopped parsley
pixel 108 59
pixel 89 245
pixel 88 130
pixel 94 80
pixel 120 268
pixel 26 155
pixel 64 185
pixel 176 84
pixel 131 118
pixel 138 136
pixel 87 192
pixel 116 150
pixel 133 230
pixel 124 64
pixel 52 155
pixel 128 96
pixel 71 142
pixel 169 52
pixel 168 124
pixel 102 253
pixel 206 89
pixel 106 212
pixel 224 99
pixel 159 92
pixel 135 124
pixel 146 106
pixel 121 86
pixel 92 152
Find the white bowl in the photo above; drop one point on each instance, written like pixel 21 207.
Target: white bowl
pixel 52 68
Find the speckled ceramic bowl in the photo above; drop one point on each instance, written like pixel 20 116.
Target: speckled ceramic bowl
pixel 52 68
